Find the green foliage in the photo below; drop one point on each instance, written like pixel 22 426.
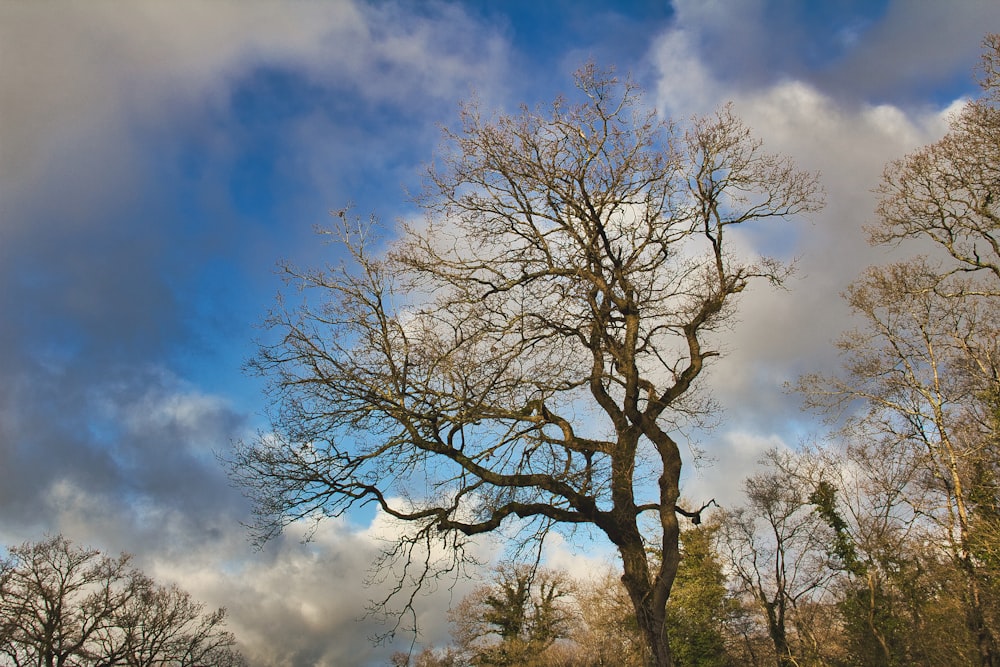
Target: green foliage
pixel 699 603
pixel 824 497
pixel 514 619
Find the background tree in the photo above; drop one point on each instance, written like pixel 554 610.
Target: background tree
pixel 920 365
pixel 163 625
pixel 516 618
pixel 865 492
pixel 524 358
pixel 59 600
pixel 700 606
pixel 776 548
pixel 428 657
pixel 949 192
pixel 63 605
pixel 607 633
pixel 921 371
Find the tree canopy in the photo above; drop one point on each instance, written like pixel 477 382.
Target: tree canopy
pixel 62 605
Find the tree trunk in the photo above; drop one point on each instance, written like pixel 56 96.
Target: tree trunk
pixel 650 616
pixel 776 629
pixel 976 620
pixel 877 633
pixel 649 591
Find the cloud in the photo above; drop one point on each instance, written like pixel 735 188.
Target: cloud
pixel 157 159
pixel 684 85
pixel 914 49
pixel 123 455
pixel 119 123
pixel 783 333
pixel 736 455
pixel 893 52
pixel 304 602
pixel 780 334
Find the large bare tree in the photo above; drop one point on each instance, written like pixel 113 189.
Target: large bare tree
pixel 528 356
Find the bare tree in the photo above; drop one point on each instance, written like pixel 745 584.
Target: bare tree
pixel 58 600
pixel 923 368
pixel 63 605
pixel 608 634
pixel 921 373
pixel 777 549
pixel 527 357
pixel 865 487
pixel 949 192
pixel 163 625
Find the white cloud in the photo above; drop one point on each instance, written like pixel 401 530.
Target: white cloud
pixel 303 602
pixel 781 334
pixel 684 85
pixel 736 455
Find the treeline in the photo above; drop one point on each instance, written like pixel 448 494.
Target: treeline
pixel 64 605
pixel 879 545
pixel 838 558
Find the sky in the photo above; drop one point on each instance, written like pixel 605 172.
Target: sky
pixel 158 159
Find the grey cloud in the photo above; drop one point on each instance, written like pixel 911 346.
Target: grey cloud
pixel 858 51
pixel 785 333
pixel 136 440
pixel 304 603
pixel 130 272
pixel 915 48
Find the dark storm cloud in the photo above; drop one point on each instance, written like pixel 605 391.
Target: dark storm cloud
pixel 156 160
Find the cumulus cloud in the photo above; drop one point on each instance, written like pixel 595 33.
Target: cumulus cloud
pixel 847 136
pixel 304 601
pixel 784 333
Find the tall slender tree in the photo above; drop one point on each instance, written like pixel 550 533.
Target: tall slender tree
pixel 776 549
pixel 919 366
